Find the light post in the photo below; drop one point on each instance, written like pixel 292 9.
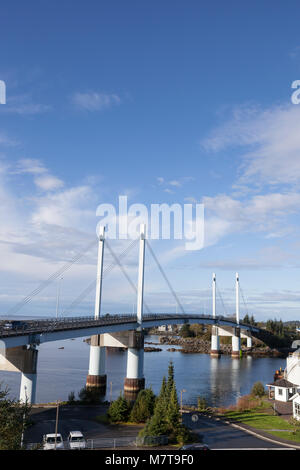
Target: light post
pixel 57 296
pixel 181 392
pixel 56 423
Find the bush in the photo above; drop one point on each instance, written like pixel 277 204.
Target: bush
pixel 143 407
pixel 71 398
pixel 119 410
pixel 89 395
pixel 258 390
pixel 201 404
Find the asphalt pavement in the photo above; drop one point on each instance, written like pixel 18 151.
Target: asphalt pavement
pixel 219 435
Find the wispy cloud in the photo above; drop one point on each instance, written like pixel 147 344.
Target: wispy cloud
pixel 270 143
pixel 24 105
pixel 95 101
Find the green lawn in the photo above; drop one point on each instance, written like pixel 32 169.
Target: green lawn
pixel 259 420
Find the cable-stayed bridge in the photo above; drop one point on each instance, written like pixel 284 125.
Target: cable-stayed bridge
pixel 19 340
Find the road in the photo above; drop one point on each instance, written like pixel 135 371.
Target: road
pixel 219 435
pixel 75 418
pixel 216 434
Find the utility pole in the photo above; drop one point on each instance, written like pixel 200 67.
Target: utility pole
pixel 56 423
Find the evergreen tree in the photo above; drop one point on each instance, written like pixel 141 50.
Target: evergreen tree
pixel 170 382
pixel 143 407
pixel 119 410
pixel 13 421
pixel 173 413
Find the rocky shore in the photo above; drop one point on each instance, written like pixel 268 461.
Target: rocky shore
pixel 198 345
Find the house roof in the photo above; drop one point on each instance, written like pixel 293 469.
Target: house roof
pixel 282 383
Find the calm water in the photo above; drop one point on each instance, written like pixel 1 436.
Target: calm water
pixel 221 381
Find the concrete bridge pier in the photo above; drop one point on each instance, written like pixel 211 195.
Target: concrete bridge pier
pixel 96 378
pixel 215 342
pixel 29 375
pixel 22 359
pixel 249 339
pixel 236 343
pixel 135 381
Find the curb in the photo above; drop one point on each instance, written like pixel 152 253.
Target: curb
pixel 260 436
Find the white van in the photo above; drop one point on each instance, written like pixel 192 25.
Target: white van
pixel 49 442
pixel 76 440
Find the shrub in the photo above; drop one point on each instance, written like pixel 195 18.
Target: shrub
pixel 143 406
pixel 258 390
pixel 89 395
pixel 119 410
pixel 71 398
pixel 201 404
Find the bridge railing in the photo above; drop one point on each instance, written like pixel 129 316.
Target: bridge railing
pixel 63 323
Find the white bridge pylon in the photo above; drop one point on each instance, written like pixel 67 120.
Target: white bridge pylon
pixel 234 332
pixel 134 380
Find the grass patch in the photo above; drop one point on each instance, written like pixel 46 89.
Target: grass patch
pixel 259 420
pixel 290 436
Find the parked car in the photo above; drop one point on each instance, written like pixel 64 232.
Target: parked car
pixel 195 447
pixel 49 442
pixel 76 440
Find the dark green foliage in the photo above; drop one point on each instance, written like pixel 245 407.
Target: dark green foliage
pixel 13 420
pixel 258 390
pixel 186 332
pixel 170 382
pixel 166 419
pixel 71 398
pixel 143 407
pixel 201 404
pixel 89 395
pixel 119 410
pixel 173 415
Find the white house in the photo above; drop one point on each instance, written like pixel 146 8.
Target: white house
pixel 296 407
pixel 282 390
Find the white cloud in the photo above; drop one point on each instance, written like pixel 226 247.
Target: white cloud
pixel 48 183
pixel 262 213
pixel 22 105
pixel 95 101
pixel 273 140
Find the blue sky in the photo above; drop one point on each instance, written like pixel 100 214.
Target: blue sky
pixel 167 102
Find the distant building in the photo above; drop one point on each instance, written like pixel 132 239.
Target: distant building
pixel 170 328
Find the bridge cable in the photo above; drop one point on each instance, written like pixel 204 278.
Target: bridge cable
pixel 91 286
pixel 245 303
pixel 125 274
pixel 50 279
pixel 165 278
pixel 221 298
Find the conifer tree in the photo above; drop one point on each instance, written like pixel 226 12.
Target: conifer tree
pixel 119 410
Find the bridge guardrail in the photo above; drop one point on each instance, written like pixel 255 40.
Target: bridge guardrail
pixel 57 324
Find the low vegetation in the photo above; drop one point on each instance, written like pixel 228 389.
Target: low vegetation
pixel 14 418
pixel 160 415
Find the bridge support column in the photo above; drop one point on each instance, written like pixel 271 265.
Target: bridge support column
pixel 135 381
pixel 236 343
pixel 96 378
pixel 249 341
pixel 29 375
pixel 215 342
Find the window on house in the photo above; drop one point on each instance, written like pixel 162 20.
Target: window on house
pixel 280 391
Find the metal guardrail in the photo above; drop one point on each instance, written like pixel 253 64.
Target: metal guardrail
pixel 67 323
pixel 101 443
